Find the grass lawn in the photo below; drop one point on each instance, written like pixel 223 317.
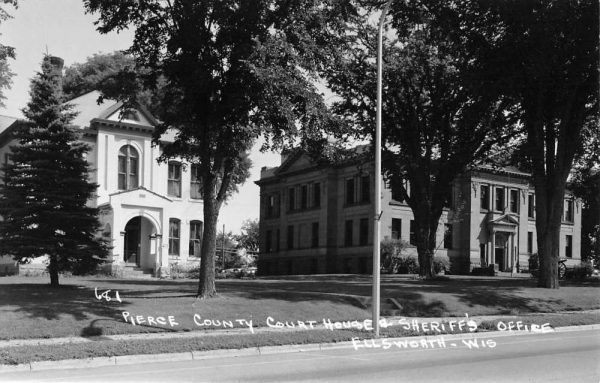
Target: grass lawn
pixel 104 348
pixel 29 308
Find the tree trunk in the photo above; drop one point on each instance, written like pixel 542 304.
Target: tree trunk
pixel 548 221
pixel 53 271
pixel 206 285
pixel 596 225
pixel 426 238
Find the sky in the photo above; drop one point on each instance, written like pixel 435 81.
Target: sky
pixel 62 28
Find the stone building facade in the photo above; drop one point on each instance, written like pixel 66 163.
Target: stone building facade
pixel 151 212
pixel 317 218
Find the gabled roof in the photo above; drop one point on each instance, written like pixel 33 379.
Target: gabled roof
pixel 505 219
pixel 87 108
pixel 6 122
pixel 138 189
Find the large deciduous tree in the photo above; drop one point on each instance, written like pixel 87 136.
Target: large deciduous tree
pixel 231 71
pixel 95 73
pixel 437 116
pixel 543 54
pixel 43 200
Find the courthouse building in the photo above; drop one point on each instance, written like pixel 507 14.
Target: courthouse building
pixel 151 212
pixel 317 218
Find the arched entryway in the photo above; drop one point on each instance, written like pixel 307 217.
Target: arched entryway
pixel 140 233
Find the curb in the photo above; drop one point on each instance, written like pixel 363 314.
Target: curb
pixel 264 350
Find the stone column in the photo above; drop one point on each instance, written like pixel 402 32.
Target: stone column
pixel 492 256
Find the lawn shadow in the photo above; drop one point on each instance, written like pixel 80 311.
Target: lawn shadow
pixel 38 300
pixel 498 296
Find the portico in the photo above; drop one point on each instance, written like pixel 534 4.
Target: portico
pixel 503 243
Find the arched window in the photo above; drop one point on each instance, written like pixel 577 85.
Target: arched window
pixel 128 168
pixel 195 238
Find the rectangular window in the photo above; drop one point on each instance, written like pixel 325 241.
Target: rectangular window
pixel 195 182
pixel 304 197
pixel 363 232
pixel 269 205
pixel 348 233
pixel 349 191
pixel 277 240
pixel 365 189
pixel 290 237
pixel 447 236
pixel 531 205
pixel 122 170
pixel 396 228
pixel 315 234
pixel 133 173
pixel 291 199
pixel 569 246
pixel 396 195
pixel 413 233
pixel 530 242
pixel 195 238
pixel 514 201
pixel 268 243
pixel 317 195
pixel 485 197
pixel 569 210
pixel 499 205
pixel 174 179
pixel 174 236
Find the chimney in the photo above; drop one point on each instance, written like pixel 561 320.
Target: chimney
pixel 57 64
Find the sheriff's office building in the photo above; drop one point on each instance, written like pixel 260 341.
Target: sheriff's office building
pixel 317 218
pixel 151 212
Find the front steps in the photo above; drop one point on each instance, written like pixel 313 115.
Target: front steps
pixel 135 272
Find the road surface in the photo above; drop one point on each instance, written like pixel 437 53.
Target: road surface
pixel 553 357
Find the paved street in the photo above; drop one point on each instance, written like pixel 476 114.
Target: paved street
pixel 554 357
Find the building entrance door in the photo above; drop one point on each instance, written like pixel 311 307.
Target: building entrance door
pixel 500 258
pixel 133 241
pixel 500 251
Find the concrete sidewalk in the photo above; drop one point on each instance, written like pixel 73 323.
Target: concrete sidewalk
pixel 232 353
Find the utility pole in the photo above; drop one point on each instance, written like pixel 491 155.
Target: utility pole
pixel 377 199
pixel 223 248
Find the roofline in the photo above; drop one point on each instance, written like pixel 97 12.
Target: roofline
pixel 140 188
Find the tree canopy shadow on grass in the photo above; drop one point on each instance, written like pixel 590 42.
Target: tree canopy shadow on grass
pixel 42 301
pixel 437 297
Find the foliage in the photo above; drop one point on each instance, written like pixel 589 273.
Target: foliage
pixel 92 75
pixel 6 53
pixel 391 251
pixel 581 271
pixel 441 264
pixel 534 263
pixel 438 115
pixel 408 264
pixel 44 199
pixel 231 71
pixel 249 236
pixel 542 54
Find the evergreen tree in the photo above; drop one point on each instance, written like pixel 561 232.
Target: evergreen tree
pixel 44 198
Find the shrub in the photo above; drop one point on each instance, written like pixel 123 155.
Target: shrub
pixel 391 250
pixel 581 271
pixel 408 264
pixel 534 263
pixel 441 264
